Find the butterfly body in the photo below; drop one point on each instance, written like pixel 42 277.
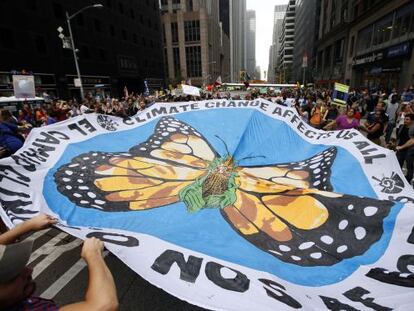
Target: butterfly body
pixel 215 190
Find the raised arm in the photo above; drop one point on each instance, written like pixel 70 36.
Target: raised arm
pixel 101 292
pixel 38 222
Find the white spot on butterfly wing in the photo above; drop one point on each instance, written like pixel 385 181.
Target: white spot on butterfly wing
pixel 306 245
pixel 341 249
pixel 327 239
pixel 317 255
pixel 284 248
pixel 360 233
pixel 370 211
pixel 343 224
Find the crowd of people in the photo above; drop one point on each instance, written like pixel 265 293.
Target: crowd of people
pixel 382 116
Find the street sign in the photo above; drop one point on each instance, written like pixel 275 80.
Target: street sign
pixel 24 86
pixel 340 94
pixel 305 61
pixel 66 43
pixel 77 82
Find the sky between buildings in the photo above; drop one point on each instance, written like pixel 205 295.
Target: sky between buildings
pixel 264 29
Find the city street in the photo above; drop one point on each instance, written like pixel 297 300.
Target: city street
pixel 61 275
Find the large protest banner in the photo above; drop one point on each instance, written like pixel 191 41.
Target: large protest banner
pixel 230 205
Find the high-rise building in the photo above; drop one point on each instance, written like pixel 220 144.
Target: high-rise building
pixel 273 69
pixel 119 45
pixel 237 38
pixel 332 41
pixel 251 42
pixel 193 40
pixel 380 51
pixel 306 36
pixel 224 6
pixel 287 41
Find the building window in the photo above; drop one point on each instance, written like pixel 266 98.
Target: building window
pixel 176 5
pixel 383 29
pixel 364 39
pixel 164 5
pixel 192 31
pixel 112 30
pixel 174 32
pixel 124 34
pixel 7 39
pixel 339 51
pixel 177 64
pixel 189 5
pixel 103 55
pixel 32 5
pixel 166 62
pixel 144 42
pixel 164 40
pixel 85 52
pixel 97 24
pixel 327 61
pixel 193 56
pixel 132 14
pixel 41 46
pixel 402 23
pixel 58 10
pixel 351 49
pixel 135 38
pixel 121 7
pixel 149 23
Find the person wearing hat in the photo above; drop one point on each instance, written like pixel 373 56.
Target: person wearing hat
pixel 17 286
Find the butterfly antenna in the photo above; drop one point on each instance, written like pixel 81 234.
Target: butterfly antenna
pixel 225 145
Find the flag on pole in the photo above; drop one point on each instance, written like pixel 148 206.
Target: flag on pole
pixel 146 89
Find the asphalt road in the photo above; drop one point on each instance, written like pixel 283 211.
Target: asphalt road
pixel 61 275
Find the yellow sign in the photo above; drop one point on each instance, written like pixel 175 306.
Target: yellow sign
pixel 340 94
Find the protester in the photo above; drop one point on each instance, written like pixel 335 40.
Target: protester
pixel 344 122
pixel 403 136
pixel 17 286
pixel 391 110
pixel 316 116
pixel 375 129
pixel 10 138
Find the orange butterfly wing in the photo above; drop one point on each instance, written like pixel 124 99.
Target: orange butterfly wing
pixel 150 175
pixel 289 211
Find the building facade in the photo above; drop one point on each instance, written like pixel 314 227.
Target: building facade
pixel 335 17
pixel 193 40
pixel 237 39
pixel 287 42
pixel 251 43
pixel 380 52
pixel 119 45
pixel 224 7
pixel 306 35
pixel 273 68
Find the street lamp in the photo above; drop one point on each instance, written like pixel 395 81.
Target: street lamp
pixel 68 18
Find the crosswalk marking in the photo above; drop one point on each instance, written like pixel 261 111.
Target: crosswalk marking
pixel 56 253
pixel 39 233
pixel 70 274
pixel 47 248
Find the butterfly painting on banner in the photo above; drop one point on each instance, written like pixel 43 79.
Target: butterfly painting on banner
pixel 299 218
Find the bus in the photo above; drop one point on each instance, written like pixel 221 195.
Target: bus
pixel 263 87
